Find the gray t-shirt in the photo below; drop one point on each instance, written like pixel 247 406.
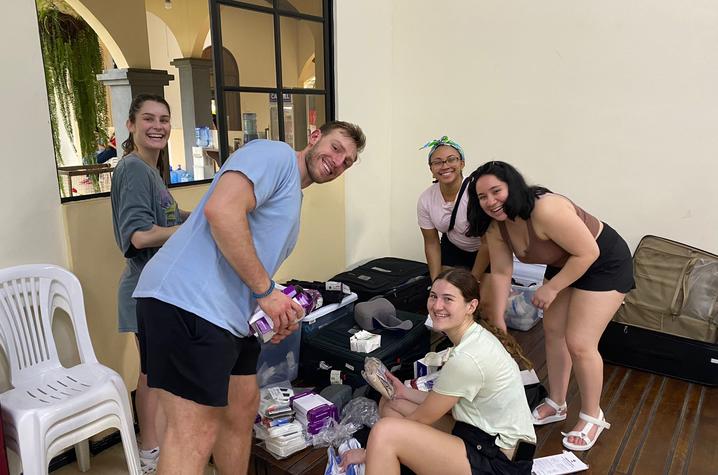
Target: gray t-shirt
pixel 139 199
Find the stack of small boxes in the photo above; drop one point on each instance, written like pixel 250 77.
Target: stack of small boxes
pixel 313 411
pixel 276 425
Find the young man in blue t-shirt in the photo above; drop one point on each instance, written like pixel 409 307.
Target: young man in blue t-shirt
pixel 196 295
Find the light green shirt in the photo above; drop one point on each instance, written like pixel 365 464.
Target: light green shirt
pixel 486 379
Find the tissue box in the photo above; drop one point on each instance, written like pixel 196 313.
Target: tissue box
pixel 364 342
pixel 424 368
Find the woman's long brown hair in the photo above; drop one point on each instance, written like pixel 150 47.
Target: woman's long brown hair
pixel 465 281
pixel 128 146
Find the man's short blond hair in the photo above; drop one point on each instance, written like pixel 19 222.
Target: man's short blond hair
pixel 352 131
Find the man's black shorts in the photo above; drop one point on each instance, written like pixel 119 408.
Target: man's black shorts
pixel 189 356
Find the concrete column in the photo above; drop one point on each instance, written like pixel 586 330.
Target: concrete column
pixel 124 85
pixel 195 96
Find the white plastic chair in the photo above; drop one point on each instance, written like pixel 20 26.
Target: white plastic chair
pixel 51 408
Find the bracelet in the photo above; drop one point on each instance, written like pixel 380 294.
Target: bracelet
pixel 266 293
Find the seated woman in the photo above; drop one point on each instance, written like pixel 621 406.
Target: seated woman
pixel 480 384
pixel 441 213
pixel 589 272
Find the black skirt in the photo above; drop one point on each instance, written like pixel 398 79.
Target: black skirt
pixel 485 457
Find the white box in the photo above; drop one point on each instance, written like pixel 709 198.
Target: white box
pixel 364 342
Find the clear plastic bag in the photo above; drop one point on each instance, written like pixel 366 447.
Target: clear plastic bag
pixel 357 413
pixel 701 291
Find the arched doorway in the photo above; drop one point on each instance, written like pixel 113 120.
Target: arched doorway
pixel 231 78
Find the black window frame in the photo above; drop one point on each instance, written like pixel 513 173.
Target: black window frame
pixel 327 21
pixel 278 11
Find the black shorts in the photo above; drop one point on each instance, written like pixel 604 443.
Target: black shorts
pixel 613 270
pixel 189 356
pixel 484 455
pixel 452 256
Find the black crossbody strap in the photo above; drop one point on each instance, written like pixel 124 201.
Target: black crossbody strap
pixel 456 204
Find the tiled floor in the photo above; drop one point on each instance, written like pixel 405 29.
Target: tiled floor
pixel 107 462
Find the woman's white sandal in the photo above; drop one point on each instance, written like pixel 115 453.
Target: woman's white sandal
pixel 583 434
pixel 560 414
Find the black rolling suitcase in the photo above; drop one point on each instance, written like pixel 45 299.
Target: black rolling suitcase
pixel 403 282
pixel 661 353
pixel 668 324
pixel 328 348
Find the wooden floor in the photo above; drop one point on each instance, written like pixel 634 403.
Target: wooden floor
pixel 659 425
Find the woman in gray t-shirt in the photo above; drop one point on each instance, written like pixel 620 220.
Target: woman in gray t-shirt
pixel 144 216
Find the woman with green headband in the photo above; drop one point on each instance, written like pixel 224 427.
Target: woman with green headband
pixel 441 209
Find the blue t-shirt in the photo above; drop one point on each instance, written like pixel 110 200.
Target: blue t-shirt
pixel 190 272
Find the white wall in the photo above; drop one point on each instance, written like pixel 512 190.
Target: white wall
pixel 31 229
pixel 611 103
pixel 363 80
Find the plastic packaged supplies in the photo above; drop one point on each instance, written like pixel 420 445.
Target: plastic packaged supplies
pixel 357 413
pixel 263 326
pixel 282 435
pixel 521 314
pixel 431 362
pixel 375 374
pixel 334 460
pixel 313 411
pixel 423 383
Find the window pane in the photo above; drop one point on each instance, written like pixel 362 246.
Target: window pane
pixel 308 7
pixel 303 113
pixel 256 112
pixel 302 53
pixel 249 38
pixel 261 3
pixel 84 179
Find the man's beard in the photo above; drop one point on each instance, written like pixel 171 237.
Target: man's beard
pixel 308 159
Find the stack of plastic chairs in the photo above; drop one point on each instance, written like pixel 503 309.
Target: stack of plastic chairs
pixel 50 407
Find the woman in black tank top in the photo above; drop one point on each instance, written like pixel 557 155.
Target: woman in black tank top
pixel 586 280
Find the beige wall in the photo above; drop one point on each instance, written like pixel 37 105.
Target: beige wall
pixel 611 103
pixel 363 73
pixel 110 20
pixel 188 21
pixel 31 230
pixel 163 47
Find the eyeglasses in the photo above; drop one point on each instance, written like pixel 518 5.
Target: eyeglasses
pixel 450 160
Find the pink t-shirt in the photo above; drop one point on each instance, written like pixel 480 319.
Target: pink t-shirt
pixel 435 213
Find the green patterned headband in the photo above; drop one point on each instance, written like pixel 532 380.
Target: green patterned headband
pixel 444 140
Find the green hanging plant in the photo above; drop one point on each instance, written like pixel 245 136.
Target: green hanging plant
pixel 72 59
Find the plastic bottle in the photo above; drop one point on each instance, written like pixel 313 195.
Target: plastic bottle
pixel 198 136
pixel 173 175
pixel 182 175
pixel 206 137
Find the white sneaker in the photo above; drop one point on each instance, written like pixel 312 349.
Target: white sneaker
pixel 149 459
